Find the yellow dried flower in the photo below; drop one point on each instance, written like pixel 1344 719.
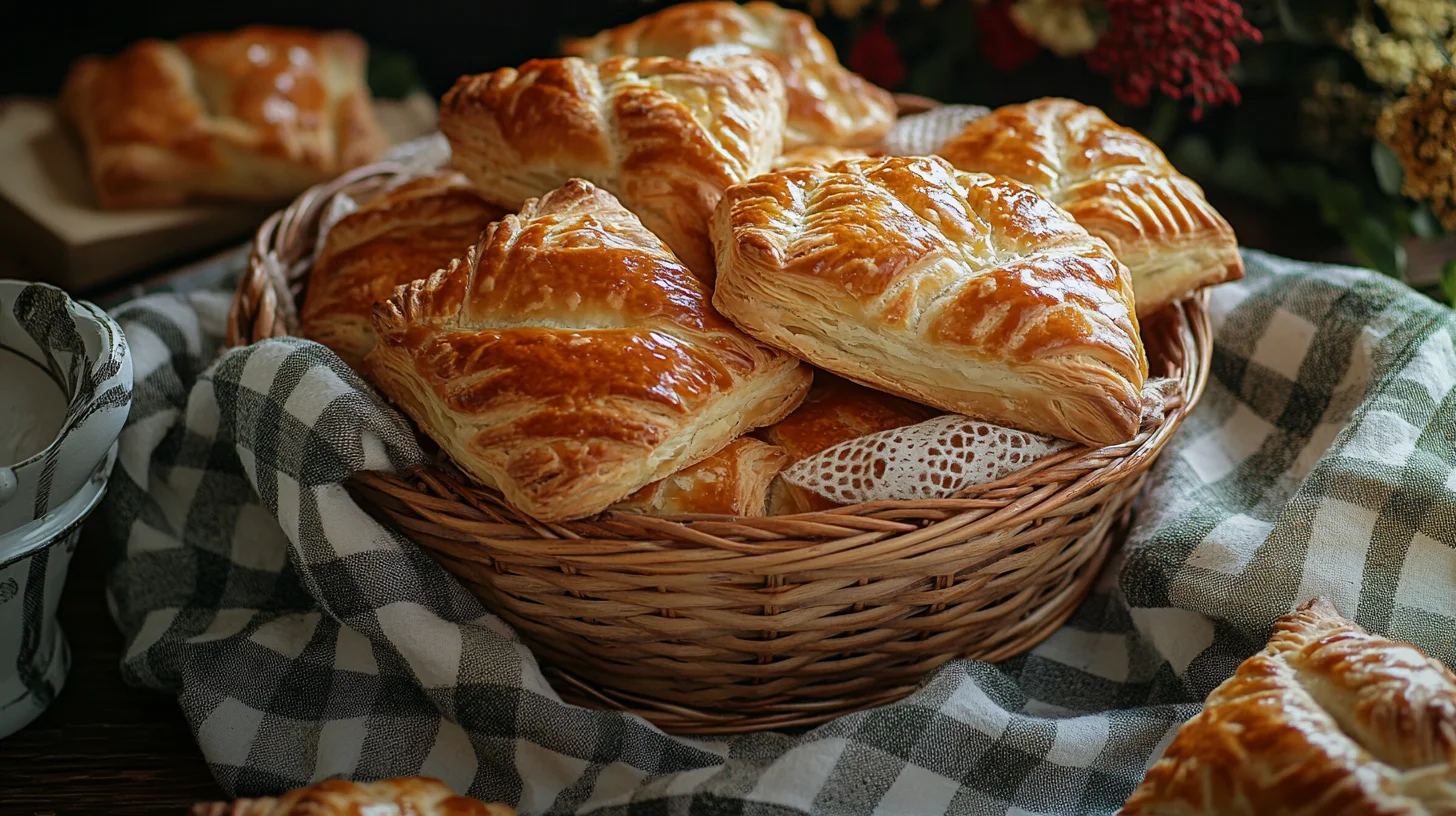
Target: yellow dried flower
pixel 1411 47
pixel 1061 26
pixel 1421 129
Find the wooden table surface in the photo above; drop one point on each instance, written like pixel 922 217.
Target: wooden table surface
pixel 107 748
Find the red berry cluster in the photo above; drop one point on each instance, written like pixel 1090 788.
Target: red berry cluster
pixel 1183 48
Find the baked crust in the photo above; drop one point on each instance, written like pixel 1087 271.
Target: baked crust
pixel 963 291
pixel 665 136
pixel 835 410
pixel 400 236
pixel 1117 184
pixel 414 795
pixel 1327 720
pixel 828 104
pixel 734 482
pixel 256 114
pixel 570 359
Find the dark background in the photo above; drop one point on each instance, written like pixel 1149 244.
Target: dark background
pixel 446 38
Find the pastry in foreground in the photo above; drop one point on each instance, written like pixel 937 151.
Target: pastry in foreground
pixel 1117 184
pixel 828 104
pixel 1327 720
pixel 570 359
pixel 962 291
pixel 400 236
pixel 732 482
pixel 256 114
pixel 665 136
pixel 836 410
pixel 414 795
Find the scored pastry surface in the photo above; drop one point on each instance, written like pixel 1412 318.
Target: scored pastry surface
pixel 570 359
pixel 1115 182
pixel 962 291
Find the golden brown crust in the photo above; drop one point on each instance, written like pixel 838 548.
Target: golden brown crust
pixel 1117 184
pixel 400 236
pixel 835 410
pixel 415 795
pixel 260 113
pixel 958 290
pixel 1327 720
pixel 570 359
pixel 734 481
pixel 665 136
pixel 828 104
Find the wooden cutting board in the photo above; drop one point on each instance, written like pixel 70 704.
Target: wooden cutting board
pixel 51 228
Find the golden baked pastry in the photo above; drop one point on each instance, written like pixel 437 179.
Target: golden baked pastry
pixel 835 410
pixel 400 236
pixel 570 359
pixel 1117 184
pixel 734 481
pixel 257 114
pixel 959 290
pixel 414 795
pixel 665 136
pixel 828 104
pixel 1327 720
pixel 819 156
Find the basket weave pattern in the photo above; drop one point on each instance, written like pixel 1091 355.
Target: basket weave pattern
pixel 712 624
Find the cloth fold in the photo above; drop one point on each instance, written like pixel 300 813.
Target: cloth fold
pixel 304 639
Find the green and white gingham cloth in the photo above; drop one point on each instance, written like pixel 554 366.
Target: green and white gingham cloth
pixel 304 640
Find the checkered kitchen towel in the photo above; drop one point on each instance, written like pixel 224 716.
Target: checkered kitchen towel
pixel 304 640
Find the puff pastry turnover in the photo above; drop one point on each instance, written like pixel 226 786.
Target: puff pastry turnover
pixel 1327 720
pixel 963 291
pixel 570 359
pixel 1117 184
pixel 836 410
pixel 734 481
pixel 415 795
pixel 259 114
pixel 828 104
pixel 400 236
pixel 665 136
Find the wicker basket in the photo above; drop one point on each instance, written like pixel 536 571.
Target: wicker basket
pixel 714 624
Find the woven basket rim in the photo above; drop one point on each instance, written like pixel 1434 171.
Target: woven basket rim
pixel 265 305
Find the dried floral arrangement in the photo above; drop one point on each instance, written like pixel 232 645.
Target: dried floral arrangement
pixel 1347 107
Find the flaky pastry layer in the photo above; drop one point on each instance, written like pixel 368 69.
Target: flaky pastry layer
pixel 963 291
pixel 828 104
pixel 1117 184
pixel 1327 720
pixel 403 235
pixel 665 136
pixel 570 359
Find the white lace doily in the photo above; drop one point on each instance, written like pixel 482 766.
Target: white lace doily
pixel 935 459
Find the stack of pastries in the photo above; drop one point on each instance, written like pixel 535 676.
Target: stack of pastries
pixel 668 265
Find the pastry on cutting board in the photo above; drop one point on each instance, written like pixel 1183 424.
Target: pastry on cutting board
pixel 260 113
